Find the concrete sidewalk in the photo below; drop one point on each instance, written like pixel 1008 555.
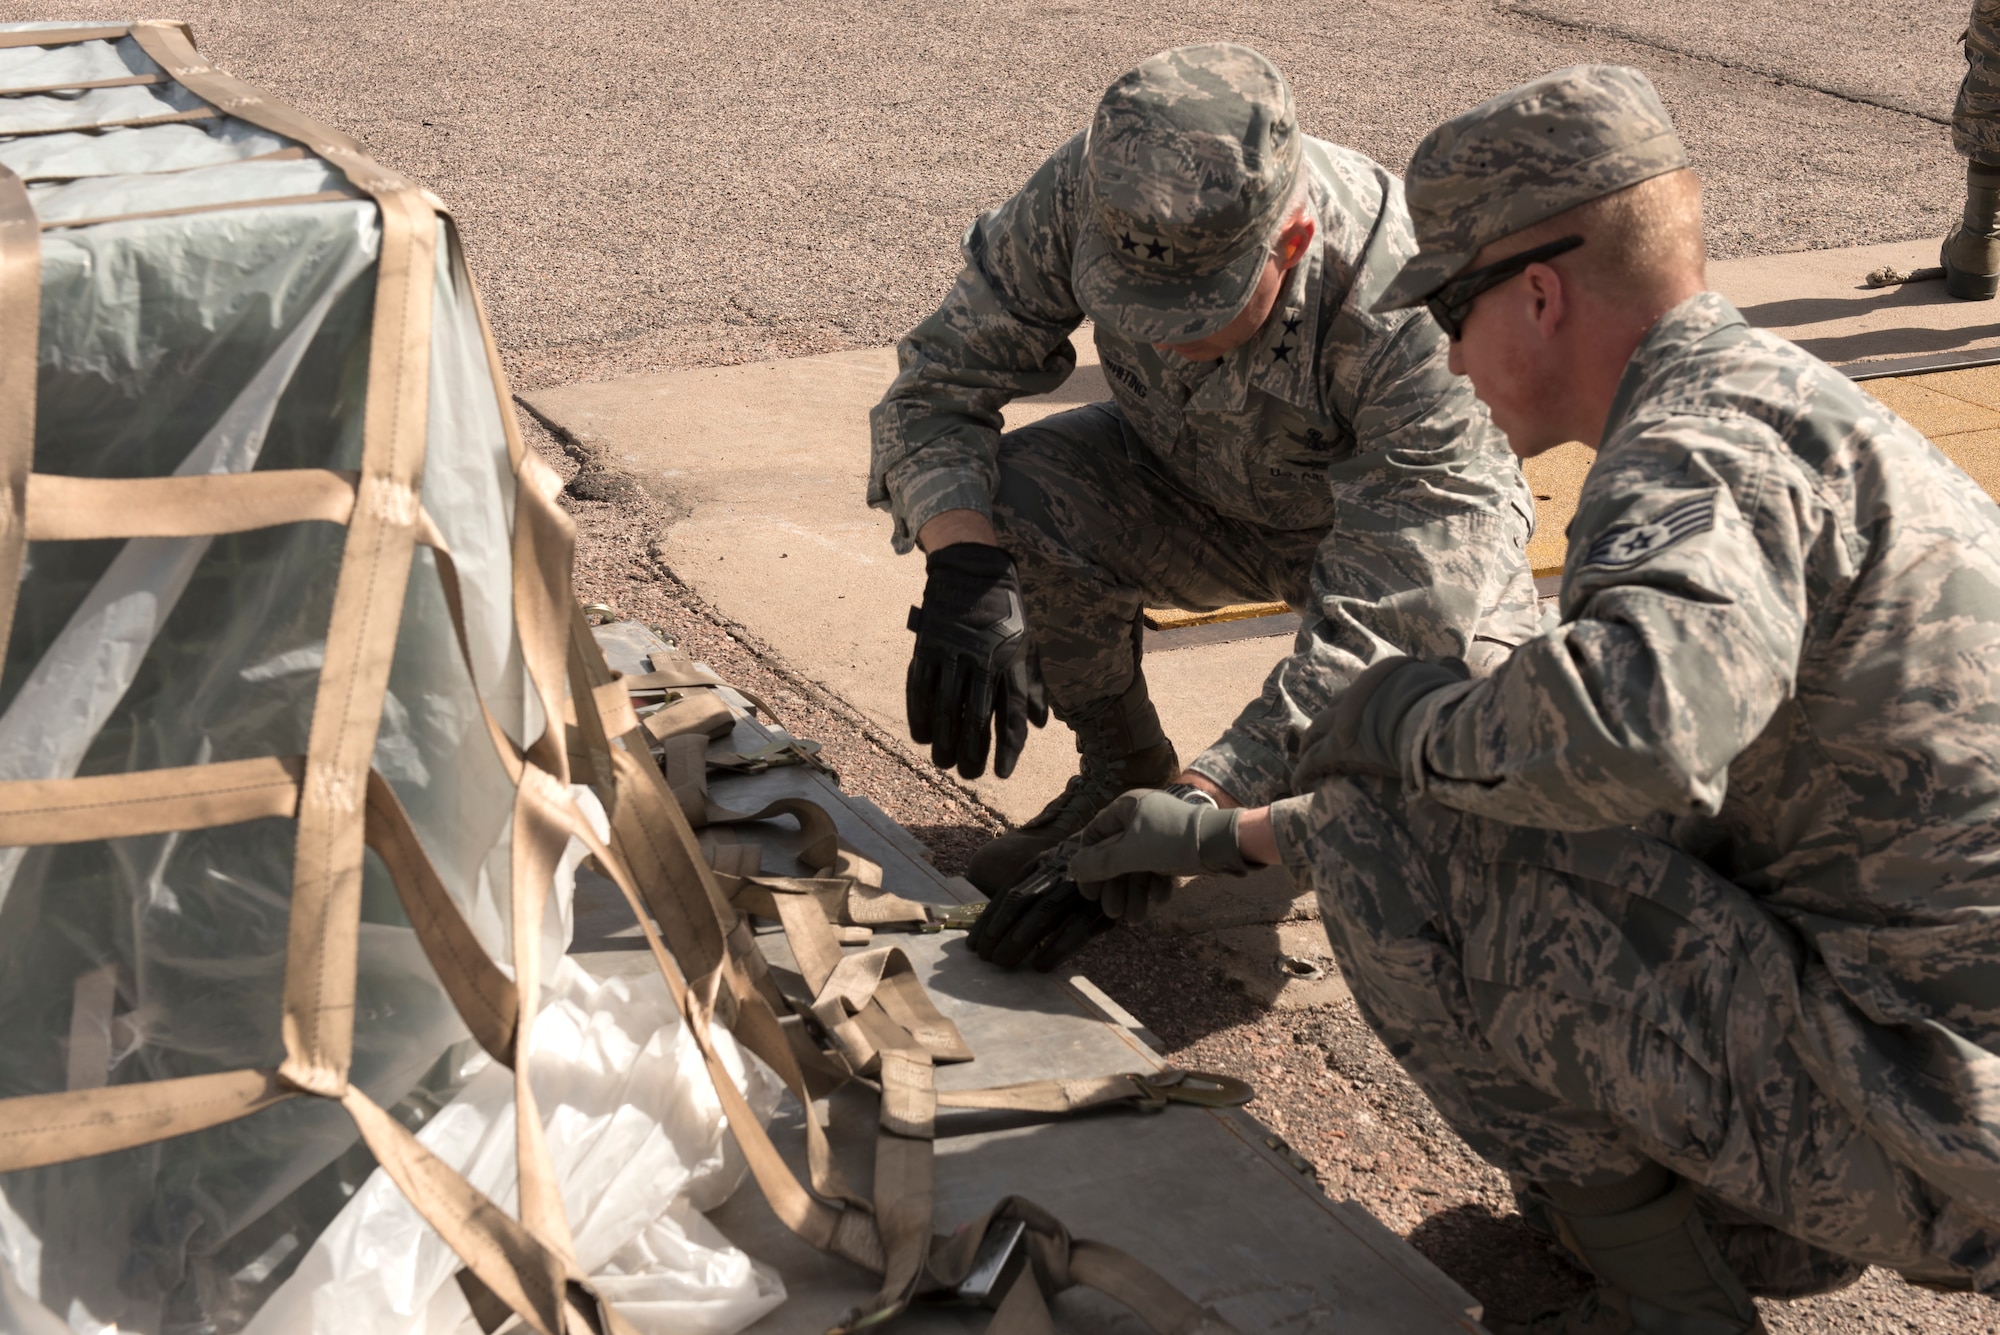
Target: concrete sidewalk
pixel 1817 298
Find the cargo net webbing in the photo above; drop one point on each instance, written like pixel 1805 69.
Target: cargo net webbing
pixel 867 1019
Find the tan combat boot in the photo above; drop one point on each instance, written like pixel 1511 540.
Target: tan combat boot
pixel 1658 1271
pixel 1122 746
pixel 1971 254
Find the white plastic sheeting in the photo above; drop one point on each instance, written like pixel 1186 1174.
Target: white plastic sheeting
pixel 230 341
pixel 638 1150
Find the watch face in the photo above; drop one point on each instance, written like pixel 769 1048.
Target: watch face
pixel 1187 792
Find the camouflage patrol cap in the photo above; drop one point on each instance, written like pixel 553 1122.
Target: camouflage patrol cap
pixel 1565 139
pixel 1188 166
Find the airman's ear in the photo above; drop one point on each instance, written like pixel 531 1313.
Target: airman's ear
pixel 1292 242
pixel 1551 302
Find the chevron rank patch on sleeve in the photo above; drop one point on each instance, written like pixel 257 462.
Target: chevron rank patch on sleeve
pixel 1629 544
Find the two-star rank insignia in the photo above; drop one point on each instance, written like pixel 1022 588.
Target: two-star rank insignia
pixel 1139 245
pixel 1286 345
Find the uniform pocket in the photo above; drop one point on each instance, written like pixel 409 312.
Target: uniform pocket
pixel 1612 918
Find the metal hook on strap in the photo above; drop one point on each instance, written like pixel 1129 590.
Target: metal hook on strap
pixel 1174 1085
pixel 953 917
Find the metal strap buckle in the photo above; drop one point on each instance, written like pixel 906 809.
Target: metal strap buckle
pixel 953 918
pixel 1204 1088
pixel 996 1265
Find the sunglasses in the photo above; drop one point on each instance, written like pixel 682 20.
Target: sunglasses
pixel 1450 304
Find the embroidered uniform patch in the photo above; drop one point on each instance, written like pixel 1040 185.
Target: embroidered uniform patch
pixel 1629 544
pixel 1125 376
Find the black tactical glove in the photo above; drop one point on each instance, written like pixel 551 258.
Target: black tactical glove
pixel 1128 856
pixel 1358 735
pixel 970 675
pixel 1043 919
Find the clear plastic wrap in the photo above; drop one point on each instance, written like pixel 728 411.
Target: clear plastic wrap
pixel 638 1148
pixel 229 341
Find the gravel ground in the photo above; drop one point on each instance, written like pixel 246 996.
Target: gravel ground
pixel 649 185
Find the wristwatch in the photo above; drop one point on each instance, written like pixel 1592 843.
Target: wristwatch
pixel 1187 792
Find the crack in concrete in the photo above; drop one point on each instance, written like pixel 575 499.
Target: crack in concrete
pixel 1638 38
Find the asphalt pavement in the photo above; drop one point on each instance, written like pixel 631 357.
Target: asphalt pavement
pixel 646 186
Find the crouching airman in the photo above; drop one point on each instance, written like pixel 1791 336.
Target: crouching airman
pixel 1688 914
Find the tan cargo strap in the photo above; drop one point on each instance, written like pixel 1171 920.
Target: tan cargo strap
pixel 884 977
pixel 81 509
pixel 171 47
pixel 546 616
pixel 843 1228
pixel 41 1129
pixel 668 878
pixel 614 709
pixel 879 1020
pixel 118 806
pixel 854 995
pixel 131 123
pixel 224 206
pixel 543 818
pixel 843 880
pixel 485 998
pixel 701 713
pixel 1154 1090
pixel 673 670
pixel 95 32
pixel 841 874
pixel 536 1282
pixel 368 597
pixel 360 644
pixel 676 672
pixel 127 81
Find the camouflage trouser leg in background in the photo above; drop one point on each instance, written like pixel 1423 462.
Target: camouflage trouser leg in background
pixel 1099 532
pixel 1576 1004
pixel 1975 120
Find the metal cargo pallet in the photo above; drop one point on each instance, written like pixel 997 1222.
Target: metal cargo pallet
pixel 1201 1194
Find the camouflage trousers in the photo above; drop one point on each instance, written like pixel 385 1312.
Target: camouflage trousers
pixel 1578 1004
pixel 1098 531
pixel 1975 120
